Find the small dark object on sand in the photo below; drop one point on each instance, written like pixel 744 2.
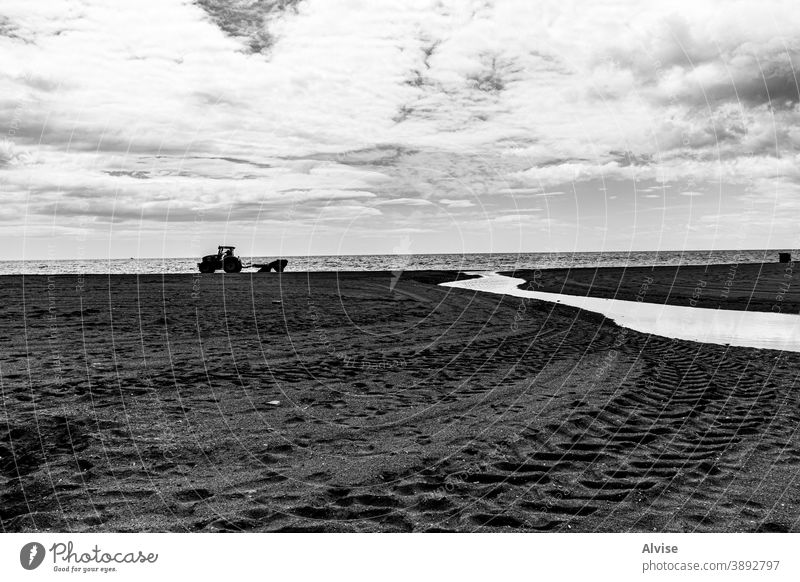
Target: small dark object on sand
pixel 278 265
pixel 785 257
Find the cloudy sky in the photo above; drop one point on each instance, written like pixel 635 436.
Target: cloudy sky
pixel 166 127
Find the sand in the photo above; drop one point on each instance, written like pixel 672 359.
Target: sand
pixel 149 404
pixel 771 287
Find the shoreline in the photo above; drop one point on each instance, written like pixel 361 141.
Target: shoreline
pixel 736 286
pixel 401 406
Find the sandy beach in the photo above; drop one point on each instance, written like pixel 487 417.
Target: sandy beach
pixel 364 402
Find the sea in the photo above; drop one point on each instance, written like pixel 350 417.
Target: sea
pixel 395 262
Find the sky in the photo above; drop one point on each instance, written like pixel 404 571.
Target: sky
pixel 293 127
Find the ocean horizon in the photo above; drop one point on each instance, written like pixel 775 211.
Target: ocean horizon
pixel 396 262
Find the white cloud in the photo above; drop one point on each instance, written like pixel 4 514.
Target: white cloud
pixel 405 202
pixel 520 191
pixel 457 203
pixel 154 106
pixel 516 218
pixel 348 213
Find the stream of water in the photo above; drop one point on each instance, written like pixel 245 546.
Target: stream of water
pixel 753 329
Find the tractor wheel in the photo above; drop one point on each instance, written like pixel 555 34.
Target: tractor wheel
pixel 206 268
pixel 232 265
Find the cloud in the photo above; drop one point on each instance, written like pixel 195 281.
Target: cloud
pixel 11 155
pixel 516 218
pixel 406 202
pixel 164 109
pixel 348 213
pixel 248 21
pixel 457 203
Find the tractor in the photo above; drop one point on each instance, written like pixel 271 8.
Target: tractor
pixel 224 259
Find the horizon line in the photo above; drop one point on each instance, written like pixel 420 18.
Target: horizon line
pixel 778 249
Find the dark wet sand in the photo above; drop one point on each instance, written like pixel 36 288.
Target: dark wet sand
pixel 143 404
pixel 741 286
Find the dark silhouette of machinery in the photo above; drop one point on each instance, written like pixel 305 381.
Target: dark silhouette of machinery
pixel 277 265
pixel 224 259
